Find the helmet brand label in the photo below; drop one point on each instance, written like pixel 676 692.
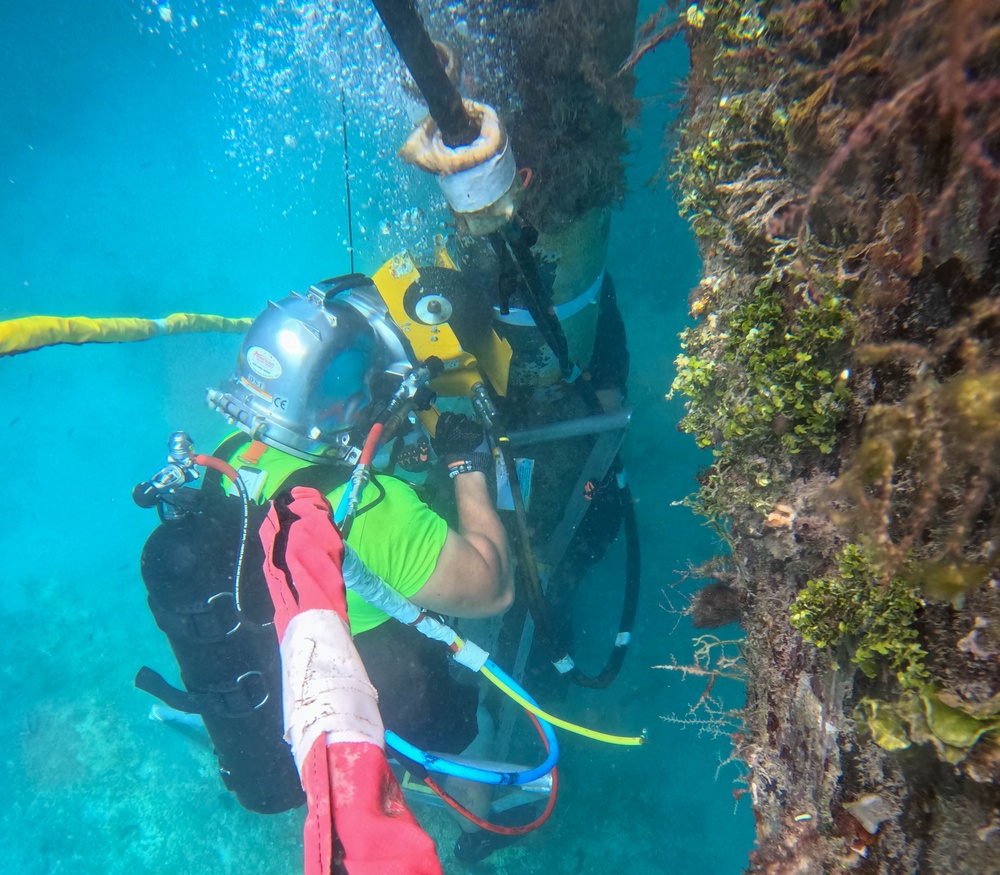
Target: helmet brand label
pixel 263 363
pixel 254 386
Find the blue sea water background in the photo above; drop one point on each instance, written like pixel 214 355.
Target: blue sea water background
pixel 190 157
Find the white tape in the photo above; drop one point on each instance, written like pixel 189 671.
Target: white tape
pixel 565 664
pixel 325 688
pixel 472 656
pixel 479 187
pixel 359 578
pixel 435 629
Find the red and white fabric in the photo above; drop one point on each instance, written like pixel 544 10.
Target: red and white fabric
pixel 357 818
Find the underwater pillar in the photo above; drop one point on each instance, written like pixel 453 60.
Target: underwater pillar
pixel 567 110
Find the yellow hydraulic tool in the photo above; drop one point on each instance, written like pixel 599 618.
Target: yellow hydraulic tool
pixel 431 307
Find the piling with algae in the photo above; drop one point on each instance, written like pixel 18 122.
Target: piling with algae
pixel 839 163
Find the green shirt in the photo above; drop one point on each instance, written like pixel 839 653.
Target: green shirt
pixel 399 538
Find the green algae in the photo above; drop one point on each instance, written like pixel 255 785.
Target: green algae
pixel 874 617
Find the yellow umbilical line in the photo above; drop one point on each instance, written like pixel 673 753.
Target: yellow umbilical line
pixel 34 332
pixel 629 740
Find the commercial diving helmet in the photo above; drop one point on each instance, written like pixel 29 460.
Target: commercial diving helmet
pixel 309 367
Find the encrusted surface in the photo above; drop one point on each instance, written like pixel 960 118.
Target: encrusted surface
pixel 840 165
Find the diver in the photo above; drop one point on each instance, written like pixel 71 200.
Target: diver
pixel 313 373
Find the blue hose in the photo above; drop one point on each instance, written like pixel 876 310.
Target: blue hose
pixel 342 505
pixel 441 765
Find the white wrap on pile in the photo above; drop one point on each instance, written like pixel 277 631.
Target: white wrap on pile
pixel 472 177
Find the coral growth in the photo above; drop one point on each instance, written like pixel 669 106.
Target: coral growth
pixel 925 717
pixel 914 87
pixel 839 164
pixel 924 478
pixel 761 374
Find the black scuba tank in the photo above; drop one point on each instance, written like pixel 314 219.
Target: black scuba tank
pixel 229 661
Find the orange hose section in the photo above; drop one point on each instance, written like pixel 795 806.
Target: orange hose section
pixel 223 468
pixel 492 827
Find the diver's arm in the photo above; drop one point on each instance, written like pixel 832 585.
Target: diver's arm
pixel 473 576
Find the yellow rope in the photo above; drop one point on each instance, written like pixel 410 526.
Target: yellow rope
pixel 34 332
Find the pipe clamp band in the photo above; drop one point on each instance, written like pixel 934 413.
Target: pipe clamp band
pixel 521 317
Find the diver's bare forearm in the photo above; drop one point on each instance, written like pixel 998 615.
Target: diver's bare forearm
pixel 481 527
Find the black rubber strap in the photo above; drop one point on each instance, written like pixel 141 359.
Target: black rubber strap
pixel 201 622
pixel 239 699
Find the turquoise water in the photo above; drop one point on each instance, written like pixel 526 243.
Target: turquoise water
pixel 137 181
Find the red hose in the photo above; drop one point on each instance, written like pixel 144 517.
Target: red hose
pixel 222 467
pixel 371 444
pixel 493 827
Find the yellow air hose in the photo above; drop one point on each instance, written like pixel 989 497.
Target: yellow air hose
pixel 34 332
pixel 626 740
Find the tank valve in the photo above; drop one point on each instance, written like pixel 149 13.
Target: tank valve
pixel 179 471
pixel 180 450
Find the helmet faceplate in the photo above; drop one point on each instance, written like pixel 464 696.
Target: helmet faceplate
pixel 306 367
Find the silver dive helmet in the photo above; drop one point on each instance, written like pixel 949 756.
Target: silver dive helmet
pixel 306 368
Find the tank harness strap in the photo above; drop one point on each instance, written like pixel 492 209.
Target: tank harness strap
pixel 202 622
pixel 245 695
pixel 324 478
pixel 251 455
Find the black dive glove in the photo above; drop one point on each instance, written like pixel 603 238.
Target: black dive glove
pixel 460 443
